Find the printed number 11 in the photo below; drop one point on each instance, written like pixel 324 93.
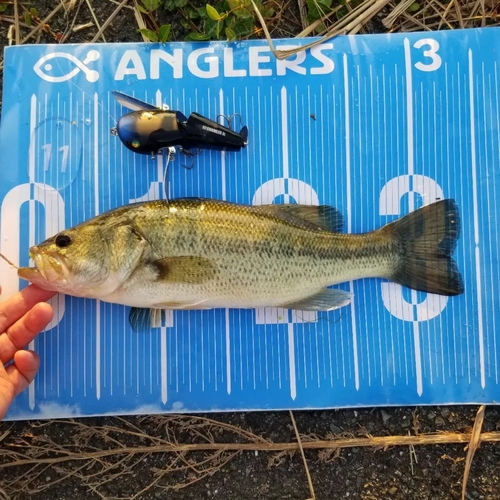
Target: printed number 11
pixel 47 153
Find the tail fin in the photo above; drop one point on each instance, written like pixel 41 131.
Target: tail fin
pixel 426 239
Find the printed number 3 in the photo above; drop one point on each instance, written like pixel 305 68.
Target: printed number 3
pixel 431 53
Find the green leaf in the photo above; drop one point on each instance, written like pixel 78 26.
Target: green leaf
pixel 150 34
pixel 202 12
pixel 414 7
pixel 164 33
pixel 197 37
pixel 234 4
pixel 27 19
pixel 231 35
pixel 231 21
pixel 151 5
pixel 212 28
pixel 242 13
pixel 320 28
pixel 180 3
pixel 312 10
pixel 34 12
pixel 212 13
pixel 244 27
pixel 3 7
pixel 222 7
pixel 267 12
pixel 186 24
pixel 142 9
pixel 191 13
pixel 169 5
pixel 316 9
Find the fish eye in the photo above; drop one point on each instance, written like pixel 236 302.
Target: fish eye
pixel 63 240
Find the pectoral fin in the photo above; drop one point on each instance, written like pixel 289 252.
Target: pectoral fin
pixel 185 269
pixel 326 300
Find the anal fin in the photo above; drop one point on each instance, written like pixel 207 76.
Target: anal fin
pixel 325 300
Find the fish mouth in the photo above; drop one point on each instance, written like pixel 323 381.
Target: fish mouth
pixel 49 269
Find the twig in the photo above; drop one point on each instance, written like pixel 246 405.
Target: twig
pixel 10 32
pixel 2 256
pixel 475 441
pixel 140 20
pixel 92 13
pixel 81 27
pixel 419 24
pixel 4 435
pixel 299 442
pixel 459 14
pixel 440 12
pixel 413 455
pixel 66 455
pixel 70 5
pixel 43 22
pixel 69 29
pixel 303 13
pixel 350 23
pixel 448 7
pixel 109 20
pixel 16 21
pixel 396 12
pixel 319 22
pixel 118 3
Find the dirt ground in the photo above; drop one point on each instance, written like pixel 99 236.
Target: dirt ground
pixel 427 472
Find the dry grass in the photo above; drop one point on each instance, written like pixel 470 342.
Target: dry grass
pixel 431 15
pixel 188 448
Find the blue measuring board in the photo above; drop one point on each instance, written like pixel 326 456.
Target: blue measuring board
pixel 375 125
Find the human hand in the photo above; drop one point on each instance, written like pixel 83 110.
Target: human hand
pixel 22 318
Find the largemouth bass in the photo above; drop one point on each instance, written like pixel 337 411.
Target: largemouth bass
pixel 199 254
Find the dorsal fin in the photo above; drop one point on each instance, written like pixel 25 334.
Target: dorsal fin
pixel 322 217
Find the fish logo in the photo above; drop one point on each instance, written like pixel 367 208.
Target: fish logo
pixel 43 67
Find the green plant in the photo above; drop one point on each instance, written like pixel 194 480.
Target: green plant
pixel 149 6
pixel 318 9
pixel 161 33
pixel 30 15
pixel 227 19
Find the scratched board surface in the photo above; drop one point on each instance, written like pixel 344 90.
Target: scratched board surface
pixel 374 125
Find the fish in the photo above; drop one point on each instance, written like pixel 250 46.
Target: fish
pixel 195 253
